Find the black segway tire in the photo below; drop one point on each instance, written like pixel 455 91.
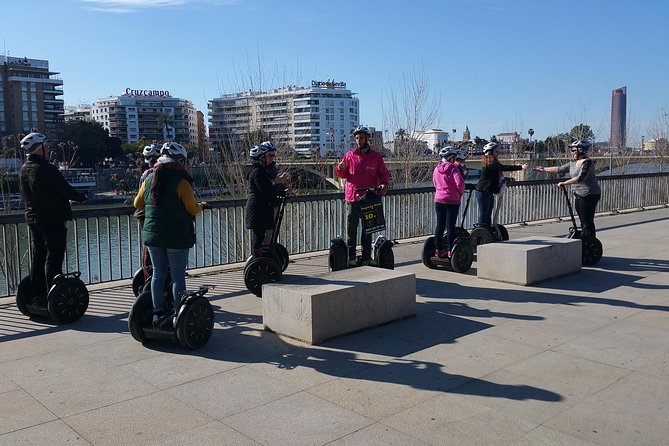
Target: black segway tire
pixel 461 232
pixel 481 236
pixel 428 252
pixel 338 257
pixel 67 300
pixel 386 257
pixel 195 324
pixel 501 233
pixel 138 282
pixel 24 296
pixel 280 253
pixel 260 271
pixel 592 250
pixel 140 316
pixel 462 256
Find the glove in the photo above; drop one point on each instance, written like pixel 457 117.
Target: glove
pixel 205 205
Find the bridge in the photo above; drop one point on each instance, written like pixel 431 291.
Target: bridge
pixel 420 169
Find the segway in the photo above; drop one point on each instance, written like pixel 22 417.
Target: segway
pixel 272 264
pixel 192 327
pixel 373 220
pixel 592 249
pixel 482 234
pixel 65 302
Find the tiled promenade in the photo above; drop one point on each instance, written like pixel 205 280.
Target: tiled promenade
pixel 580 360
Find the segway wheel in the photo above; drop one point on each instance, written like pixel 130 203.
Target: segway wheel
pixel 338 257
pixel 386 257
pixel 260 271
pixel 461 232
pixel 501 233
pixel 462 256
pixel 592 250
pixel 481 236
pixel 140 316
pixel 138 282
pixel 196 324
pixel 280 253
pixel 428 252
pixel 67 300
pixel 23 296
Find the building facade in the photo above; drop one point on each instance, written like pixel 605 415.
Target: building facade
pixel 81 112
pixel 617 140
pixel 434 138
pixel 318 119
pixel 137 114
pixel 30 97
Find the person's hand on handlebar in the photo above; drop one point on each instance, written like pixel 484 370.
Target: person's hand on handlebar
pixel 82 198
pixel 383 189
pixel 204 205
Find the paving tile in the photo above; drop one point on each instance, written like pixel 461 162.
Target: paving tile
pixel 232 392
pixel 20 410
pixel 214 434
pixel 299 419
pixel 633 411
pixel 541 387
pixel 379 434
pixel 543 436
pixel 161 418
pixel 452 420
pixel 54 432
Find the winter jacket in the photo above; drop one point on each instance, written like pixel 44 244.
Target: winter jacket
pixel 491 175
pixel 362 171
pixel 448 183
pixel 170 223
pixel 45 192
pixel 262 196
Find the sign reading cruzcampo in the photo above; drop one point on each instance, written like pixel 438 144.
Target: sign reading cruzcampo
pixel 330 83
pixel 147 93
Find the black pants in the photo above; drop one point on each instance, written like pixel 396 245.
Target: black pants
pixel 447 217
pixel 352 233
pixel 48 245
pixel 585 208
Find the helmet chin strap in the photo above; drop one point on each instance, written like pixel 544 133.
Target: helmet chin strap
pixel 364 149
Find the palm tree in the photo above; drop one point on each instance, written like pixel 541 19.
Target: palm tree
pixel 166 122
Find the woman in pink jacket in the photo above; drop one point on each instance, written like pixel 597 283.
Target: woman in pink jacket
pixel 449 186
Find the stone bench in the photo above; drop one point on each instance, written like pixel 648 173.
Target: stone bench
pixel 528 260
pixel 313 309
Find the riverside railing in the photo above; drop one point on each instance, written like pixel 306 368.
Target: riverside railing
pixel 104 243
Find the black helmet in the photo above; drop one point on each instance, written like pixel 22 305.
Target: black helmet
pixel 582 145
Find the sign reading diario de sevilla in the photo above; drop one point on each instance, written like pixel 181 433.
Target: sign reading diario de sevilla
pixel 146 93
pixel 330 83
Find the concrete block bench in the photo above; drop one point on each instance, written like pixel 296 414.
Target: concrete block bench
pixel 313 309
pixel 528 260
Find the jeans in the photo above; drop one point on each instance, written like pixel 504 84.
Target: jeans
pixel 447 216
pixel 585 208
pixel 486 202
pixel 174 260
pixel 352 221
pixel 48 241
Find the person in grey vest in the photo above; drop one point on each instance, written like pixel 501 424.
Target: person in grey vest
pixel 583 182
pixel 169 204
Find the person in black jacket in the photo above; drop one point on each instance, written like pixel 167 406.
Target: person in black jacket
pixel 47 196
pixel 490 181
pixel 263 192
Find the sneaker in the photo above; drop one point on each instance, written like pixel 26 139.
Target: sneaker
pixel 443 254
pixel 353 262
pixel 162 319
pixel 448 253
pixel 371 262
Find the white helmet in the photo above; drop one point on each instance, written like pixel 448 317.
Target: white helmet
pixel 151 150
pixel 462 154
pixel 173 149
pixel 582 145
pixel 32 142
pixel 362 129
pixel 488 148
pixel 448 151
pixel 261 149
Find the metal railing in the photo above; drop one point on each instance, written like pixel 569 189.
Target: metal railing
pixel 104 243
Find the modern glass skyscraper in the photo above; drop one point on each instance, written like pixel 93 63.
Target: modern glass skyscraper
pixel 618 118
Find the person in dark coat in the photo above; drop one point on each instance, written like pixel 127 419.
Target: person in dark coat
pixel 47 196
pixel 263 191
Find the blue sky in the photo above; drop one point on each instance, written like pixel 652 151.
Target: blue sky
pixel 492 65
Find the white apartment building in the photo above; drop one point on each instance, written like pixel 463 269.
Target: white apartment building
pixel 434 138
pixel 312 119
pixel 134 115
pixel 81 112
